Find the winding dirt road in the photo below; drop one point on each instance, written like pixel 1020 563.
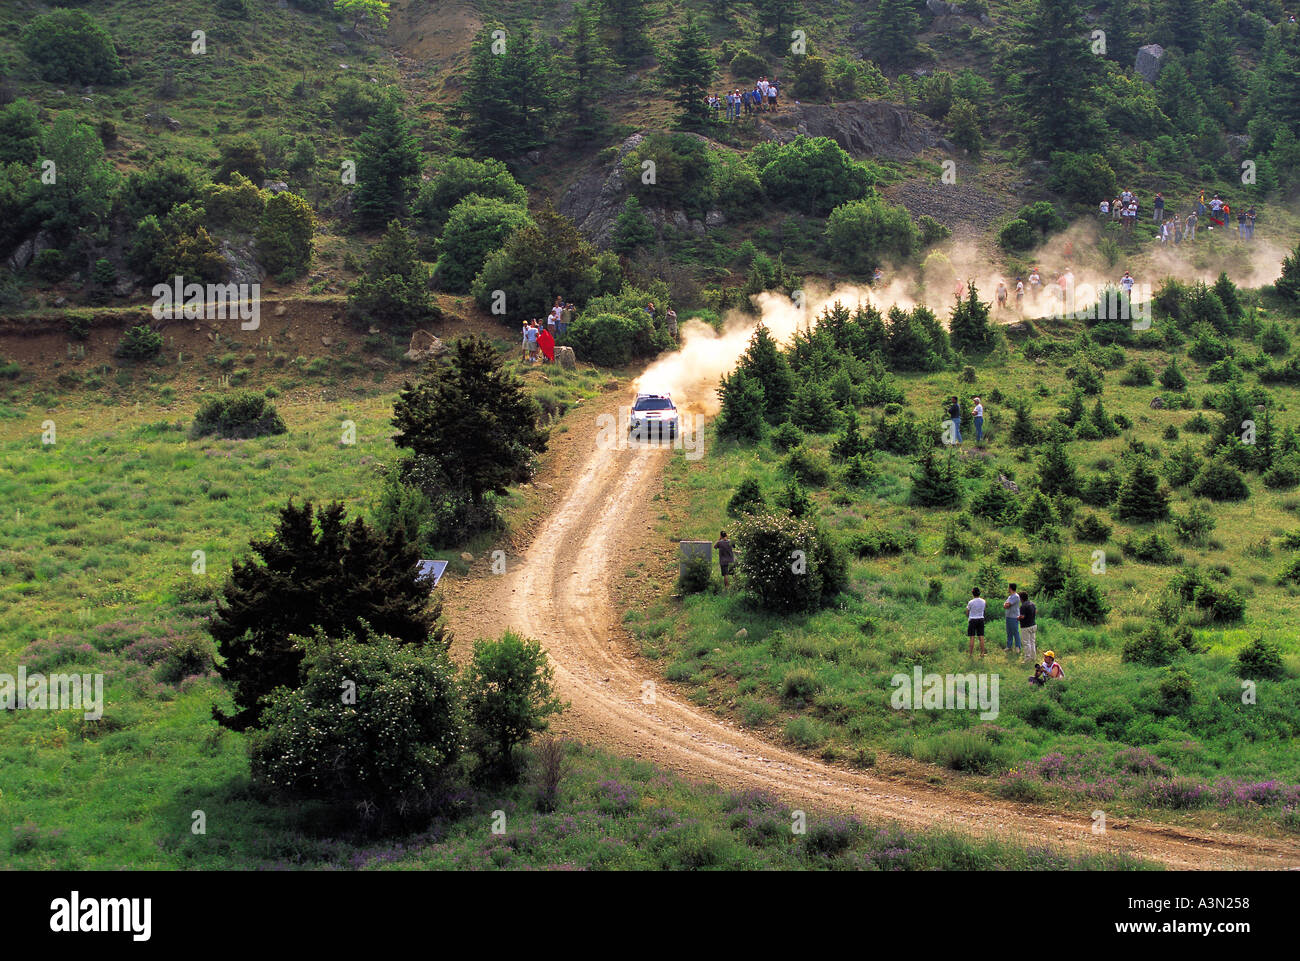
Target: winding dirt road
pixel 563 590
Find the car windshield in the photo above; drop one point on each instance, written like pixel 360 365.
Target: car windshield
pixel 654 403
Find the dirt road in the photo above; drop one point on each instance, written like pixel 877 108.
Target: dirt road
pixel 564 591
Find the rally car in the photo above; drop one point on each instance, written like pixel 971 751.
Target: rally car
pixel 651 414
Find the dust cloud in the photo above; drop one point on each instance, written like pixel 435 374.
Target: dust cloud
pixel 691 374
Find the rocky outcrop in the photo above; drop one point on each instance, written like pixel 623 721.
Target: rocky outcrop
pixel 870 128
pixel 565 357
pixel 596 198
pixel 424 346
pixel 241 264
pixel 1148 62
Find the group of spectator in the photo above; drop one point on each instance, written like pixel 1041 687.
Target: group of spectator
pixel 540 337
pixel 1021 616
pixel 1174 229
pixel 741 103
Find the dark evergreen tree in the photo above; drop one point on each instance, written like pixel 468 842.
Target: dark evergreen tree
pixel 315 571
pixel 1056 471
pixel 1180 23
pixel 892 29
pixel 743 406
pixel 765 362
pixel 628 23
pixel 393 293
pixel 508 97
pixel 388 160
pixel 632 228
pixel 587 69
pixel 780 17
pixel 1121 21
pixel 688 71
pixel 1053 72
pixel 472 421
pixel 1141 496
pixel 969 330
pixel 936 482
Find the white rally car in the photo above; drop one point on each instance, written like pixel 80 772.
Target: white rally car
pixel 653 414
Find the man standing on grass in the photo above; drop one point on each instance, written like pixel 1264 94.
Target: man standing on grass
pixel 954 415
pixel 1029 626
pixel 979 421
pixel 1012 607
pixel 726 558
pixel 975 621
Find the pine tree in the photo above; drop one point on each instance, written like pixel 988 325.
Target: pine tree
pixel 471 420
pixel 632 229
pixel 850 443
pixel 388 159
pixel 968 330
pixel 629 21
pixel 1054 71
pixel 765 362
pixel 743 406
pixel 314 571
pixel 1180 23
pixel 393 293
pixel 812 407
pixel 587 69
pixel 688 71
pixel 936 482
pixel 780 16
pixel 1141 497
pixel 508 97
pixel 1057 473
pixel 1120 22
pixel 893 29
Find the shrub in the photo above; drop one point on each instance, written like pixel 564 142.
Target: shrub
pixel 1153 647
pixel 800 685
pixel 1141 496
pixel 398 738
pixel 1172 378
pixel 1260 659
pixel 616 339
pixel 743 413
pixel 509 694
pixel 455 179
pixel 695 576
pixel 814 174
pixel 242 415
pixel 69 46
pixel 475 228
pixel 863 233
pixel 808 467
pixel 284 236
pixel 787 436
pixel 747 499
pixel 393 293
pixel 139 343
pixel 881 542
pixel 1284 473
pixel 1154 549
pixel 1017 236
pixel 1138 375
pixel 860 471
pixel 789 562
pixel 813 408
pixel 1195 526
pixel 997 504
pixel 1091 529
pixel 1220 482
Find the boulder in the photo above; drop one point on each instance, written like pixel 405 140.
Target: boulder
pixel 1148 62
pixel 241 263
pixel 424 346
pixel 275 186
pixel 872 128
pixel 1157 404
pixel 1008 483
pixel 564 356
pixel 941 9
pixel 714 218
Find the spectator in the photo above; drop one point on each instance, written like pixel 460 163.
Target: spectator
pixel 1029 626
pixel 566 318
pixel 1046 670
pixel 1020 294
pixel 979 421
pixel 523 333
pixel 726 559
pixel 1104 208
pixel 1159 206
pixel 1241 224
pixel 1250 216
pixel 1189 232
pixel 1035 285
pixel 546 342
pixel 530 335
pixel 1002 295
pixel 975 621
pixel 954 415
pixel 1012 607
pixel 670 322
pixel 1126 282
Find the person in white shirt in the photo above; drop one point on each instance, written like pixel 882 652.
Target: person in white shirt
pixel 978 413
pixel 1127 283
pixel 975 620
